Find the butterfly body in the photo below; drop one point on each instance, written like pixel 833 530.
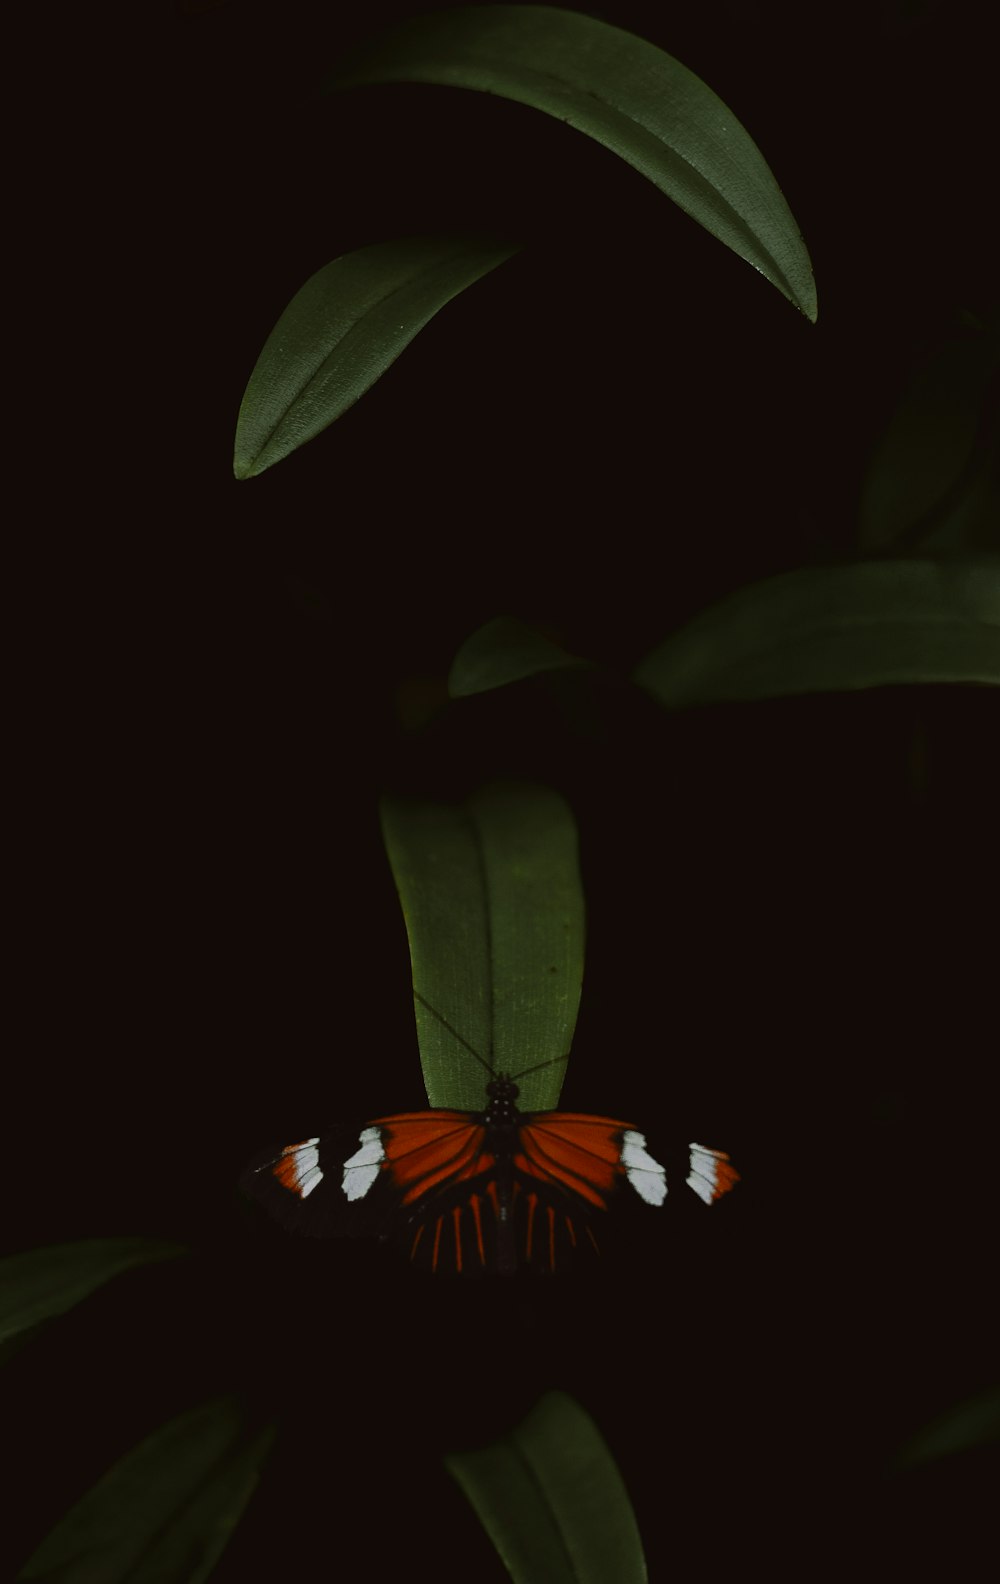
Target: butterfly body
pixel 475 1191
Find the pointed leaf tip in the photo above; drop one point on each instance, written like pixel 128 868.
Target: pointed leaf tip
pixel 340 333
pixel 623 92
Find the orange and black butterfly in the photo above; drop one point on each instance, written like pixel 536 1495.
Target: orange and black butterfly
pixel 481 1190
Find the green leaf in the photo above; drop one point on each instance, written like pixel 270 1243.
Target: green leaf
pixel 552 1500
pixel 972 1423
pixel 341 332
pixel 625 93
pixel 47 1281
pixel 503 651
pixel 165 1512
pixel 931 480
pixel 491 895
pixel 831 629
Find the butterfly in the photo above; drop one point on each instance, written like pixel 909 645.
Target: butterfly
pixel 476 1191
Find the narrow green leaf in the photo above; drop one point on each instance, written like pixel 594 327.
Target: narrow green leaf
pixel 47 1281
pixel 552 1500
pixel 831 629
pixel 972 1423
pixel 491 895
pixel 341 332
pixel 625 93
pixel 503 651
pixel 929 480
pixel 165 1512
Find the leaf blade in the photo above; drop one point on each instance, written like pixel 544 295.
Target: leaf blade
pixel 502 651
pixel 42 1283
pixel 931 480
pixel 625 93
pixel 163 1512
pixel 341 331
pixel 552 1500
pixel 974 1422
pixel 834 629
pixel 493 904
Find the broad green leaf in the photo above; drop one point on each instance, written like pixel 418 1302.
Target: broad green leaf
pixel 931 481
pixel 491 895
pixel 44 1282
pixel 341 332
pixel 625 93
pixel 165 1512
pixel 503 651
pixel 831 629
pixel 972 1423
pixel 552 1500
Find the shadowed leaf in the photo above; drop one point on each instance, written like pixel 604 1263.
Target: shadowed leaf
pixel 626 94
pixel 972 1423
pixel 44 1282
pixel 831 629
pixel 165 1512
pixel 552 1500
pixel 341 332
pixel 932 479
pixel 491 895
pixel 502 651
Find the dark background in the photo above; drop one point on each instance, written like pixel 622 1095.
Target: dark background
pixel 791 907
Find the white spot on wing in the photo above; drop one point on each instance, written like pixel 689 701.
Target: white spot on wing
pixel 307 1173
pixel 703 1176
pixel 644 1173
pixel 364 1165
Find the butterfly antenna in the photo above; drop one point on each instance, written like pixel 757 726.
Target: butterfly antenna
pixel 454 1031
pixel 538 1066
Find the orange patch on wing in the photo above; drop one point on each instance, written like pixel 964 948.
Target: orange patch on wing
pixel 588 1169
pixel 726 1176
pixel 287 1168
pixel 532 1207
pixel 431 1151
pixel 416 1240
pixel 437 1244
pixel 583 1127
pixel 456 1216
pixel 474 1207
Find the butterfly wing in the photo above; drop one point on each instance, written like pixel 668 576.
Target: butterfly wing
pixel 432 1180
pixel 569 1166
pixel 421 1176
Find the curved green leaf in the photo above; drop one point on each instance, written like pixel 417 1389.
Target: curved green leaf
pixel 502 651
pixel 165 1512
pixel 341 332
pixel 972 1423
pixel 491 895
pixel 44 1282
pixel 625 93
pixel 552 1500
pixel 831 629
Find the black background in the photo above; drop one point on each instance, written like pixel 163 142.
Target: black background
pixel 791 907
